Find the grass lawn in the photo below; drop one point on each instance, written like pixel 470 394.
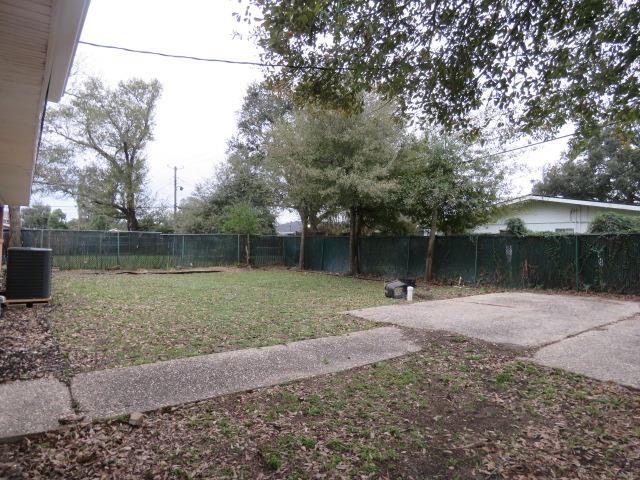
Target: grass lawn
pixel 458 409
pixel 109 320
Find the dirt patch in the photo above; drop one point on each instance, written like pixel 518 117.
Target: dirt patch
pixel 459 409
pixel 28 348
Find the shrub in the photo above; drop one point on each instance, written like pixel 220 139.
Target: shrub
pixel 516 227
pixel 614 223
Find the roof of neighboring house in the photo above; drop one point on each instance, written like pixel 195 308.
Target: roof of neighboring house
pixel 39 40
pixel 570 201
pixel 289 227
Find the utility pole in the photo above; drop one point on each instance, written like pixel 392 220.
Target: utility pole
pixel 175 191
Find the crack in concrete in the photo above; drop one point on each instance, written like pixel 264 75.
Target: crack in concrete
pixel 602 327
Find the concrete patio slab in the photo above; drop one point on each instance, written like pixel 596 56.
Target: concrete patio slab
pixel 611 353
pixel 32 406
pixel 525 319
pixel 119 391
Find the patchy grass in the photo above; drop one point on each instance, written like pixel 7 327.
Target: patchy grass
pixel 108 320
pixel 455 410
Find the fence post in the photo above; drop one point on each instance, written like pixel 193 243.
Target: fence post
pixel 118 250
pixel 408 253
pixel 238 249
pixel 475 262
pixel 577 263
pixel 324 237
pixel 182 252
pixel 41 238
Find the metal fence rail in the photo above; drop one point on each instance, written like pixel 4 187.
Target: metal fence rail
pixel 583 262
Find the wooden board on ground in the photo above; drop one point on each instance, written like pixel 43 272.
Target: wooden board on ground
pixel 26 301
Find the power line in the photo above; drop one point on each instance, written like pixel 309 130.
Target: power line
pixel 515 149
pixel 216 60
pixel 529 145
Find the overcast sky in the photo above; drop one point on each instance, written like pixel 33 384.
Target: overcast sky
pixel 197 112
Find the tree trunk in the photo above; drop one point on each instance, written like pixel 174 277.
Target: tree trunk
pixel 353 241
pixel 1 235
pixel 132 220
pixel 303 236
pixel 15 226
pixel 428 271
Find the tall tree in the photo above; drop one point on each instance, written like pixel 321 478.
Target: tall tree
pixel 447 186
pixel 57 220
pixel 36 216
pixel 242 178
pixel 15 227
pixel 543 62
pixel 94 148
pixel 262 108
pixel 607 170
pixel 297 171
pixel 333 160
pixel 235 182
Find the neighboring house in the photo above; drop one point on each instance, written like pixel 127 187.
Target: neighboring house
pixel 553 214
pixel 290 228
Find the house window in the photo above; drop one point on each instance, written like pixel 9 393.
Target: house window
pixel 564 230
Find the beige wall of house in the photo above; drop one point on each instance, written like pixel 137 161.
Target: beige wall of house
pixel 542 216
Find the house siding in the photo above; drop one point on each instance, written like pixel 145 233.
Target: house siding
pixel 549 217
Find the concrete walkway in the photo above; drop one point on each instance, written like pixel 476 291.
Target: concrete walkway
pixel 34 406
pixel 517 318
pixel 594 336
pixel 610 353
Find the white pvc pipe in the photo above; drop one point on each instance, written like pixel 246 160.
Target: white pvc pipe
pixel 409 294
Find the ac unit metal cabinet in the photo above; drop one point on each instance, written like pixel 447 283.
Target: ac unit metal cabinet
pixel 29 273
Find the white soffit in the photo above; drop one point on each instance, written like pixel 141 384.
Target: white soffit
pixel 38 39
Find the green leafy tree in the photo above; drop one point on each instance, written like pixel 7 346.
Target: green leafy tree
pixel 297 170
pixel 241 219
pixel 607 170
pixel 235 182
pixel 334 161
pixel 157 219
pixel 242 178
pixel 517 227
pixel 542 62
pixel 93 148
pixel 614 223
pixel 57 220
pixel 447 185
pixel 262 109
pixel 36 216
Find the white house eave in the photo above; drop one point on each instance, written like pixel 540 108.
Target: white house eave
pixel 568 201
pixel 65 32
pixel 39 40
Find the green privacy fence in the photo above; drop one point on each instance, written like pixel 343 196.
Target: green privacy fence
pixel 105 250
pixel 109 250
pixel 583 262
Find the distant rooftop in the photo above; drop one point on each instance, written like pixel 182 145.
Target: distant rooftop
pixel 289 228
pixel 570 201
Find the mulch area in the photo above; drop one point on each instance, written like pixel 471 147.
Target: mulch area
pixel 28 348
pixel 459 409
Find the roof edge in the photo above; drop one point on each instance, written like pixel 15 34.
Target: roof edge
pixel 66 27
pixel 570 201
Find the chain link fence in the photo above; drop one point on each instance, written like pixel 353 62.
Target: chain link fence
pixel 583 262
